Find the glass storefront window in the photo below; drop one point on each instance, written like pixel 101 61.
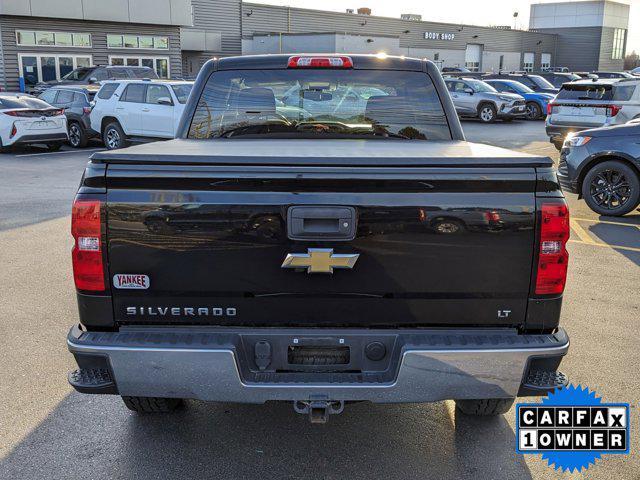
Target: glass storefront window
pixel 30 70
pixel 133 62
pixel 48 68
pixel 25 37
pixel 81 40
pixel 45 38
pixel 147 62
pixel 114 41
pixel 63 39
pixel 161 42
pixel 65 64
pixel 162 67
pixel 145 42
pixel 130 41
pixel 83 62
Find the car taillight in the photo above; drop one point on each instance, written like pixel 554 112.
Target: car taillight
pixel 88 271
pixel 86 110
pixel 492 216
pixel 14 130
pixel 550 108
pixel 553 256
pixel 12 113
pixel 613 110
pixel 320 62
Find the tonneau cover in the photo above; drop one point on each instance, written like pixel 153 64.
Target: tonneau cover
pixel 366 153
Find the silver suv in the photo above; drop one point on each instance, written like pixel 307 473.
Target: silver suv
pixel 592 103
pixel 475 98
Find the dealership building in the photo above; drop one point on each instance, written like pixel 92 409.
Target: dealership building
pixel 43 40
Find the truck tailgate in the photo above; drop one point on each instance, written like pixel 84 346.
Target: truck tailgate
pixel 442 240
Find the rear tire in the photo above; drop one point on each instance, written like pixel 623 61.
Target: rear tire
pixel 151 404
pixel 534 112
pixel 487 113
pixel 113 137
pixel 77 135
pixel 486 407
pixel 611 188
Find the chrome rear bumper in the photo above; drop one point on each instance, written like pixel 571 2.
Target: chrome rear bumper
pixel 211 365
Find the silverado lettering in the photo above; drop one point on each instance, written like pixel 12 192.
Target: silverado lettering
pixel 418 267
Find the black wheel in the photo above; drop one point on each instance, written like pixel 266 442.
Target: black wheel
pixel 114 137
pixel 54 147
pixel 534 112
pixel 487 113
pixel 77 135
pixel 4 149
pixel 611 188
pixel 486 407
pixel 151 404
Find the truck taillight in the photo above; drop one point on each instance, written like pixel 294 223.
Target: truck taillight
pixel 553 256
pixel 88 270
pixel 319 62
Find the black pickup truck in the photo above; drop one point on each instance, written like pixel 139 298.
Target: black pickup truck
pixel 320 232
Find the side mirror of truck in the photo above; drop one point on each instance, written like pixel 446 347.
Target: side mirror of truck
pixel 93 80
pixel 164 101
pixel 469 91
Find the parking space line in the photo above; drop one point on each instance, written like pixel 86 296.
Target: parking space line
pixel 606 222
pixel 614 247
pixel 581 232
pixel 59 153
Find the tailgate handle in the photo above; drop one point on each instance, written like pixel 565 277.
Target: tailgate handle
pixel 321 223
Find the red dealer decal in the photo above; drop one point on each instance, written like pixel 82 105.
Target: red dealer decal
pixel 131 281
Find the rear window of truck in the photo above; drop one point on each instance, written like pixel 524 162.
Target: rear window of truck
pixel 319 103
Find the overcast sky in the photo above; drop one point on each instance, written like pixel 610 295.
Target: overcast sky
pixel 474 12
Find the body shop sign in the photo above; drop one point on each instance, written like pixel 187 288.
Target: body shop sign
pixel 439 36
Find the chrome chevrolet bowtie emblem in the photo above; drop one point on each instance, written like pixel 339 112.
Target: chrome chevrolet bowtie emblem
pixel 320 260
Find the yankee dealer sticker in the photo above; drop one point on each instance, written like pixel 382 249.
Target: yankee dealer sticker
pixel 572 428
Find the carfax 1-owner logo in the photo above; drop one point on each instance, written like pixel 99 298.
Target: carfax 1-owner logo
pixel 572 428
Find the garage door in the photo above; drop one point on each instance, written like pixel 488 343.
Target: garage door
pixel 527 62
pixel 473 57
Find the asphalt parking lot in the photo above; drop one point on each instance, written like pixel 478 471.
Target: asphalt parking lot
pixel 48 431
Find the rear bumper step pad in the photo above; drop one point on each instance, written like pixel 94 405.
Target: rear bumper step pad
pixel 213 364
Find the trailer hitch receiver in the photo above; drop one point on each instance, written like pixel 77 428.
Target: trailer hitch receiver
pixel 318 408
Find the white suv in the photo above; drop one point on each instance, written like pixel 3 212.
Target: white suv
pixel 138 110
pixel 586 104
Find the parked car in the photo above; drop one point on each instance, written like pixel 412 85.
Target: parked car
pixel 556 69
pixel 558 78
pixel 26 120
pixel 455 70
pixel 76 101
pixel 602 166
pixel 442 278
pixel 138 110
pixel 89 75
pixel 589 104
pixel 635 71
pixel 613 74
pixel 534 82
pixel 537 102
pixel 475 98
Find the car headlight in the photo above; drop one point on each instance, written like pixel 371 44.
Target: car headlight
pixel 576 141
